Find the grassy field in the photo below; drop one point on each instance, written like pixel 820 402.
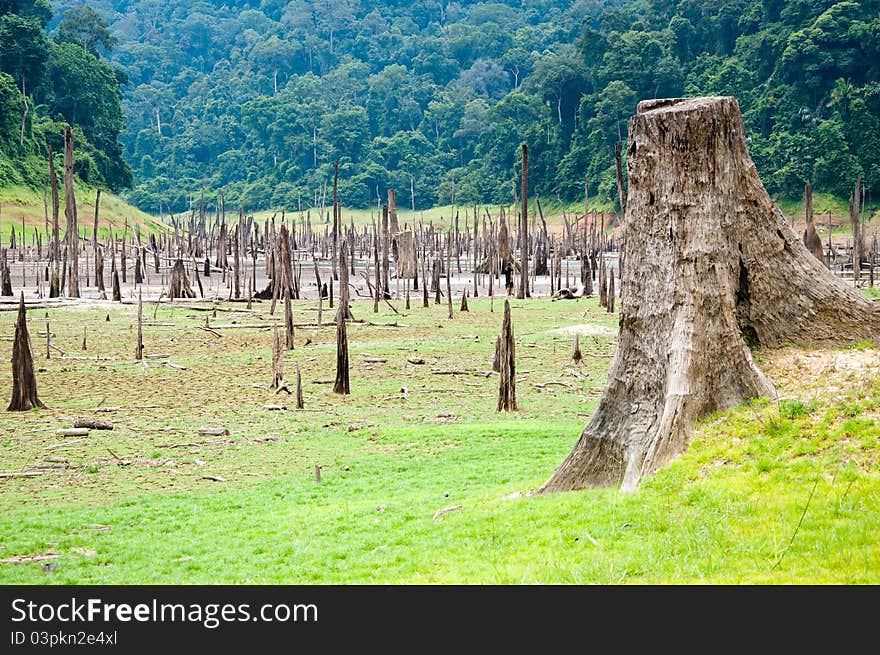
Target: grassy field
pixel 17 203
pixel 781 491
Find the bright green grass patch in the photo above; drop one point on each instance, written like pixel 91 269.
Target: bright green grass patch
pixel 21 202
pixel 724 512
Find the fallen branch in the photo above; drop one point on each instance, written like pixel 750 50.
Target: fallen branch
pixel 446 510
pixel 207 329
pixel 64 444
pixel 30 474
pixel 543 385
pixel 72 432
pixel 213 432
pixel 479 374
pixel 18 559
pixel 196 444
pixel 92 424
pixel 122 462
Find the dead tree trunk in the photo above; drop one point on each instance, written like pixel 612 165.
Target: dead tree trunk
pixel 99 273
pixel 811 238
pixel 24 381
pixel 55 284
pixel 725 271
pixel 116 293
pixel 278 383
pixel 340 385
pixel 72 233
pixel 300 404
pixel 507 364
pixel 854 200
pixel 95 237
pixel 288 321
pixel 139 348
pixel 449 274
pixel 611 291
pixel 5 277
pixel 524 227
pixel 179 286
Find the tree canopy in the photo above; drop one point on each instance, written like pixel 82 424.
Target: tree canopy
pixel 45 83
pixel 259 98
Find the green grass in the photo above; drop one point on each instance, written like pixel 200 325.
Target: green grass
pixel 20 202
pixel 724 512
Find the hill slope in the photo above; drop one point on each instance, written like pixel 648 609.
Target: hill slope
pixel 259 99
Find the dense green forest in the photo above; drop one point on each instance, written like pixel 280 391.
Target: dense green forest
pixel 432 98
pixel 45 83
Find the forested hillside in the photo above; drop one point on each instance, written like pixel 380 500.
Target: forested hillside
pixel 260 98
pixel 45 83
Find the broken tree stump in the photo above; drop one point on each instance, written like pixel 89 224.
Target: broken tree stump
pixel 288 321
pixel 725 271
pixel 278 383
pixel 300 404
pixel 24 381
pixel 179 286
pixel 811 238
pixel 340 384
pixel 507 368
pixel 139 347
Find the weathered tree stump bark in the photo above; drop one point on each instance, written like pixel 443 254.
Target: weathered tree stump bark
pixel 611 292
pixel 139 347
pixel 5 278
pixel 179 286
pixel 72 233
pixel 24 381
pixel 300 404
pixel 576 355
pixel 288 322
pixel 523 291
pixel 811 238
pixel 116 293
pixel 278 383
pixel 507 361
pixel 340 384
pixel 55 284
pixel 712 267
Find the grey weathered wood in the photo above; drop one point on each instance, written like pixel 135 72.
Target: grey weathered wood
pixel 506 352
pixel 724 268
pixel 24 380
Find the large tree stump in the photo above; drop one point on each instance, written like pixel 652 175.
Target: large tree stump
pixel 712 267
pixel 24 381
